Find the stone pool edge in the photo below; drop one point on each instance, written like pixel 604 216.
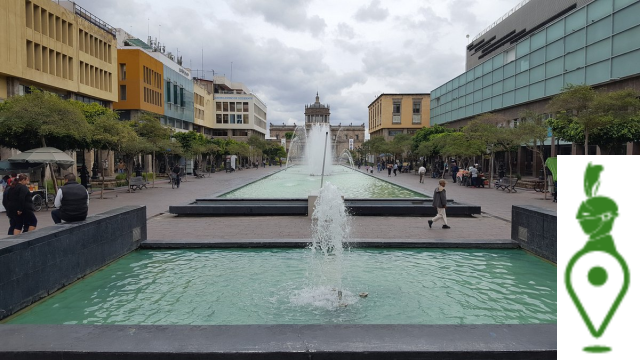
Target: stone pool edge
pixel 533 341
pixel 355 243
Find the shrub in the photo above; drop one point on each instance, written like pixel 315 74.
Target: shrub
pixel 148 176
pixel 121 176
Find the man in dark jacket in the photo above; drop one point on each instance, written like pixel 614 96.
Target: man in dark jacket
pixel 440 203
pixel 72 201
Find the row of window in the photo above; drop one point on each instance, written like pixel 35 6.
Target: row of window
pixel 48 24
pixel 176 96
pixel 198 99
pixel 259 122
pixel 152 97
pixel 198 114
pixel 232 106
pixel 151 77
pixel 94 46
pixel 49 61
pixel 95 77
pixel 232 118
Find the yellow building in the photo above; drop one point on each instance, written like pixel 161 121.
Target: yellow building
pixel 392 114
pixel 203 113
pixel 57 47
pixel 140 80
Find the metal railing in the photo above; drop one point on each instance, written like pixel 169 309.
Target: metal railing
pixel 521 4
pixel 80 11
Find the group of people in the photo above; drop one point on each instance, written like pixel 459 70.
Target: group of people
pixel 71 202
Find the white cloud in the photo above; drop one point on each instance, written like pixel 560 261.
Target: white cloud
pixel 373 12
pixel 285 51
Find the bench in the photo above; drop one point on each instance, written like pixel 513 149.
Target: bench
pixel 504 186
pixel 137 183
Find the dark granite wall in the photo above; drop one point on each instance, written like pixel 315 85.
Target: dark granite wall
pixel 35 264
pixel 534 229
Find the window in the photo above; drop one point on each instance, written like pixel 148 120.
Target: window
pixel 394 132
pixel 218 118
pixel 218 106
pixel 239 118
pixel 245 107
pixel 416 106
pixel 182 101
pixel 225 106
pixel 396 106
pixel 175 94
pixel 168 91
pixel 123 92
pixel 219 132
pixel 123 71
pixel 225 118
pixel 232 107
pixel 357 137
pixel 510 55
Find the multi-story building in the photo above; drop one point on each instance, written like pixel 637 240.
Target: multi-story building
pixel 238 112
pixel 343 137
pixel 393 114
pixel 140 83
pixel 203 112
pixel 531 53
pixel 58 47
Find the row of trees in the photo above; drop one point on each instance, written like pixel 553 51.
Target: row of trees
pixel 41 119
pixel 582 114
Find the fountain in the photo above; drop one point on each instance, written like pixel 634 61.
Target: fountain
pixel 346 154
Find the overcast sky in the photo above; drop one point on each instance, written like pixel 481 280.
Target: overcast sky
pixel 286 50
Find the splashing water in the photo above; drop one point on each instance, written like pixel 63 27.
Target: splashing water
pixel 330 232
pixel 315 148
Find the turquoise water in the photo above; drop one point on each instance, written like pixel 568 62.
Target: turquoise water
pixel 280 286
pixel 296 182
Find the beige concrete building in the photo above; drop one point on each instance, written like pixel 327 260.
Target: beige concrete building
pixel 203 113
pixel 58 47
pixel 392 114
pixel 342 136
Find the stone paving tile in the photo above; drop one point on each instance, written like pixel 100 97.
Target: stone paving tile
pixel 497 204
pixel 298 227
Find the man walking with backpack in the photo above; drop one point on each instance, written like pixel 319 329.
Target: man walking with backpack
pixel 440 203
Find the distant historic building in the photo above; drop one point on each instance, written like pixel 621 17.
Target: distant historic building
pixel 342 136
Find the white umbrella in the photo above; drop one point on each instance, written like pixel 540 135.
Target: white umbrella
pixel 45 155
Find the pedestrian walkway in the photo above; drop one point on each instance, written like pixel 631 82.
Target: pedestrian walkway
pixel 494 223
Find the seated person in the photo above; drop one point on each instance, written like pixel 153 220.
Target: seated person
pixel 72 201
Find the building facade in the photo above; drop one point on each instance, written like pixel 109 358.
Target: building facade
pixel 531 54
pixel 57 47
pixel 203 109
pixel 239 113
pixel 393 114
pixel 343 137
pixel 140 84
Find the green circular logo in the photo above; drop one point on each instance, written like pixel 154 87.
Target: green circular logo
pixel 597 276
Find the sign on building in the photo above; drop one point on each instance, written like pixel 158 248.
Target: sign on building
pixel 350 144
pixel 283 142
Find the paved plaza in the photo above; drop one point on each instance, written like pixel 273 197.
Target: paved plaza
pixel 494 223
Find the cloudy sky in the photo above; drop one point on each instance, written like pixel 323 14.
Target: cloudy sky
pixel 286 50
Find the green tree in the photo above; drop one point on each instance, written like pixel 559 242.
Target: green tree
pixel 485 129
pixel 401 145
pixel 108 133
pixel 424 135
pixel 378 145
pixel 581 108
pixel 42 119
pixel 533 131
pixel 148 127
pixel 289 135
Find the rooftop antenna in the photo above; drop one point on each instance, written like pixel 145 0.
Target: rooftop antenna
pixel 203 73
pixel 231 80
pixel 148 24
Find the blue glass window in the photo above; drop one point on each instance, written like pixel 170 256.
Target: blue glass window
pixel 522 79
pixel 536 74
pixel 497 74
pixel 599 51
pixel 538 40
pixel 522 48
pixel 598 31
pixel 553 85
pixel 626 18
pixel 536 90
pixel 554 67
pixel 598 9
pixel 508 98
pixel 555 49
pixel 575 21
pixel 555 31
pixel 509 83
pixel 575 77
pixel 574 41
pixel 625 65
pixel 536 58
pixel 574 60
pixel 522 94
pixel 598 73
pixel 626 41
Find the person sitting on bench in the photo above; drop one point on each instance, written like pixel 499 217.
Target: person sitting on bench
pixel 72 201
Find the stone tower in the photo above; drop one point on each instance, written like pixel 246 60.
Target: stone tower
pixel 316 113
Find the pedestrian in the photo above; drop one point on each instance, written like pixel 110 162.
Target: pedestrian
pixel 121 167
pixel 395 169
pixel 474 176
pixel 19 205
pixel 454 171
pixel 5 204
pixel 421 172
pixel 440 203
pixel 12 177
pixel 379 166
pixel 72 201
pixel 389 168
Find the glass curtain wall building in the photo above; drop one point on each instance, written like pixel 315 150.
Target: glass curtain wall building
pixel 596 43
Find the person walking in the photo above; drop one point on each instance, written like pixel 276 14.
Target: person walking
pixel 19 206
pixel 440 203
pixel 421 172
pixel 454 171
pixel 72 201
pixel 176 172
pixel 7 207
pixel 395 169
pixel 389 168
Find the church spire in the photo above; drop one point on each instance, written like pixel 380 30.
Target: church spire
pixel 317 98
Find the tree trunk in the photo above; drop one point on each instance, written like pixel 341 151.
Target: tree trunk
pixel 102 188
pixel 153 172
pixel 586 141
pixel 491 169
